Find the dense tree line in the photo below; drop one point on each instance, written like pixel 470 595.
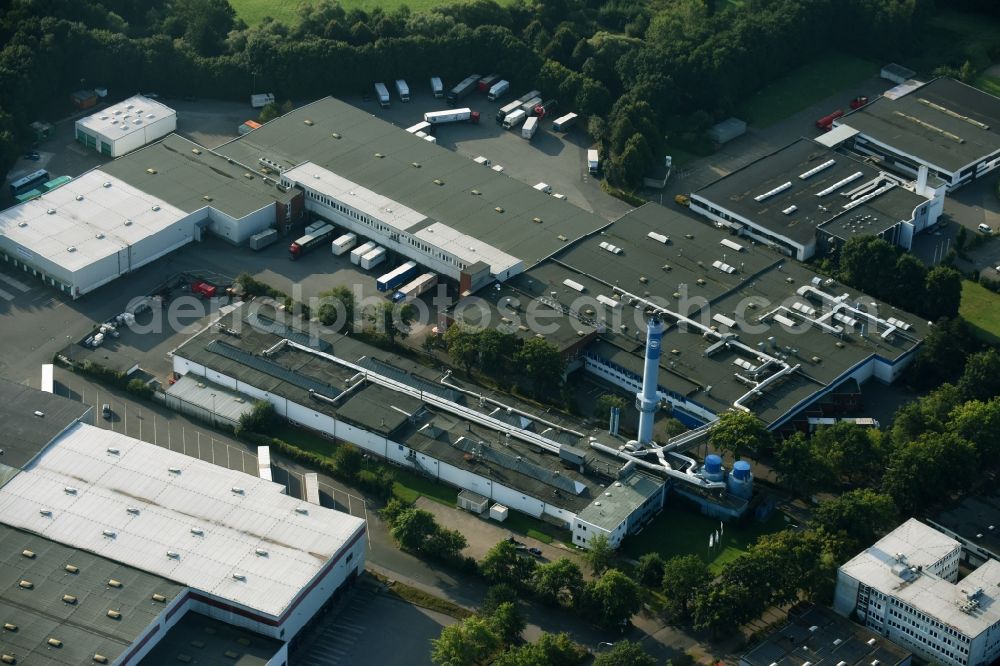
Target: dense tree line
pixel 642 72
pixel 534 363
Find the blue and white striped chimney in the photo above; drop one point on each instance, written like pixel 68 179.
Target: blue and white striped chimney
pixel 647 400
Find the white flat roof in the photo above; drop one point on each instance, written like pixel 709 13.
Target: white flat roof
pixel 836 136
pixel 350 193
pixel 94 219
pixel 170 504
pixel 126 117
pixel 468 248
pixel 922 546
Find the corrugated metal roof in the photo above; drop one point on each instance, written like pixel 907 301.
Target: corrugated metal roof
pixel 225 402
pixel 94 517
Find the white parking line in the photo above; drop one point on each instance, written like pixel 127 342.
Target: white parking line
pixel 17 284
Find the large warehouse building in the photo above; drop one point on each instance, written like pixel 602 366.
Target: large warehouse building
pixel 806 198
pixel 126 126
pixel 158 534
pixel 947 126
pixel 906 588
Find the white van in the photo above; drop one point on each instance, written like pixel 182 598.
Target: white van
pixel 985 228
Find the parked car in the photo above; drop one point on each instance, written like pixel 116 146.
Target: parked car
pixel 985 228
pixel 106 411
pixel 535 551
pixel 34 157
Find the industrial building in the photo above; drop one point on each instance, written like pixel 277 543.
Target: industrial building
pixel 817 636
pixel 114 219
pixel 974 523
pixel 806 199
pixel 501 451
pixel 746 328
pixel 949 127
pixel 424 202
pixel 139 536
pixel 126 126
pixel 906 587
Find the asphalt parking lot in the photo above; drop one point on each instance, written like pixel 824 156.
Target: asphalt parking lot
pixel 554 158
pixel 357 633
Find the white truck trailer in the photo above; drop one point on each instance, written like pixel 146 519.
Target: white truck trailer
pixel 383 95
pixel 403 90
pixel 498 90
pixel 342 244
pixel 373 258
pixel 451 116
pixel 261 100
pixel 514 119
pixel 361 251
pixel 437 88
pixel 529 128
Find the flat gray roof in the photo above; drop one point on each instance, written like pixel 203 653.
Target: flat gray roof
pixel 810 201
pixel 208 641
pixel 820 637
pixel 224 401
pixel 84 627
pixel 380 157
pixel 24 434
pixel 619 499
pixel 945 123
pixel 976 519
pixel 183 178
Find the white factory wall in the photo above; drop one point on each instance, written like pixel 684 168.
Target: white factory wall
pixel 137 139
pixel 584 532
pixel 592 366
pixel 752 230
pixel 393 451
pixel 239 231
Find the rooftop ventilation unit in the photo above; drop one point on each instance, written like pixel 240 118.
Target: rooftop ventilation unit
pixel 237 490
pixel 100 658
pixel 45 512
pixel 79 197
pixel 575 286
pixel 613 249
pixel 302 510
pixel 69 490
pixel 8 626
pixel 26 584
pixel 69 599
pixel 239 576
pixel 114 583
pixel 174 470
pixel 134 510
pixel 72 568
pixel 659 238
pixel 840 183
pixel 197 531
pixel 158 597
pixel 308 122
pixel 109 533
pixel 30 554
pixel 173 554
pixel 113 614
pixel 196 151
pixel 113 451
pixel 816 169
pixel 791 209
pixel 770 193
pixel 261 552
pixel 54 642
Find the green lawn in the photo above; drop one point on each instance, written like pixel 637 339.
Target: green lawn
pixel 681 530
pixel 981 308
pixel 287 11
pixel 990 84
pixel 804 87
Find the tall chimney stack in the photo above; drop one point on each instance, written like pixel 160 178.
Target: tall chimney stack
pixel 647 400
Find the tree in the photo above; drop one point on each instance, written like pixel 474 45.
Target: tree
pixel 469 643
pixel 508 622
pixel 599 554
pixel 801 466
pixel 650 570
pixel 207 22
pixel 942 355
pixel 413 527
pixel 683 576
pixel 549 650
pixel 497 594
pixel 347 459
pixel 612 599
pixel 558 582
pixel 981 378
pixel 463 346
pixel 392 320
pixel 445 544
pixel 624 653
pixel 862 515
pixel 979 423
pixel 336 308
pixel 866 263
pixel 738 433
pixel 943 293
pixel 393 509
pixel 928 469
pixel 910 285
pixel 927 414
pixel 260 419
pixel 504 564
pixel 604 404
pixel 851 452
pixel 496 350
pixel 542 364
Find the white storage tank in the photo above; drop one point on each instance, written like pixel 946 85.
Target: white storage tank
pixel 498 512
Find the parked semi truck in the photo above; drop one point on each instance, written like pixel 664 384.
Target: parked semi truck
pixel 313 237
pixel 396 277
pixel 530 95
pixel 546 108
pixel 498 90
pixel 383 95
pixel 452 116
pixel 592 161
pixel 342 244
pixel 464 88
pixel 361 251
pixel 826 122
pixel 529 106
pixel 263 239
pixel 563 123
pixel 415 287
pixel 373 258
pixel 484 84
pixel 261 100
pixel 508 109
pixel 529 128
pixel 403 90
pixel 514 119
pixel 437 88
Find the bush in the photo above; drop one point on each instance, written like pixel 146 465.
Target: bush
pixel 141 389
pixel 253 287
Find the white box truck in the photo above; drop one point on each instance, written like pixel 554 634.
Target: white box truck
pixel 342 244
pixel 383 95
pixel 373 258
pixel 507 109
pixel 451 116
pixel 563 123
pixel 261 100
pixel 403 90
pixel 514 119
pixel 361 251
pixel 592 161
pixel 437 88
pixel 529 128
pixel 498 90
